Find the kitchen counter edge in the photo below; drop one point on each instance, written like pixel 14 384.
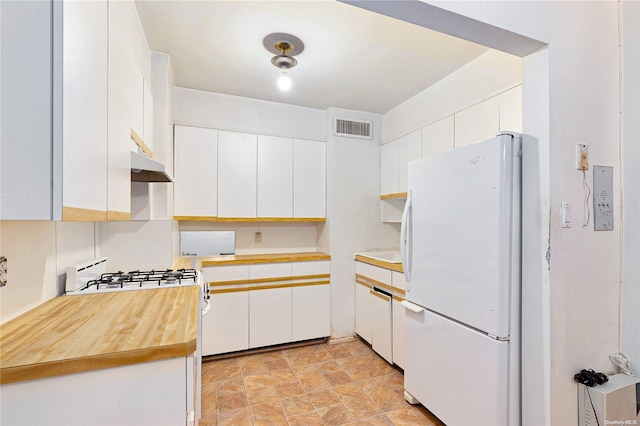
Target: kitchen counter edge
pixel 248 259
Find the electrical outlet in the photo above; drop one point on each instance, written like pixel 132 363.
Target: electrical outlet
pixel 582 157
pixel 258 237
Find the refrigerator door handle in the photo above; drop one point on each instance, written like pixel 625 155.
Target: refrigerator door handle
pixel 405 239
pixel 412 306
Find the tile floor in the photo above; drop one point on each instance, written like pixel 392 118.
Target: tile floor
pixel 322 384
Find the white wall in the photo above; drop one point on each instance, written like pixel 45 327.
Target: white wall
pixel 485 76
pixel 579 295
pixel 353 214
pixel 631 177
pixel 226 112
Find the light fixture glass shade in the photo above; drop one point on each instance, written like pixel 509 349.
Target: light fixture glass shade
pixel 284 82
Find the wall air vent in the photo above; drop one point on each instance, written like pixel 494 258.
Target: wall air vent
pixel 353 129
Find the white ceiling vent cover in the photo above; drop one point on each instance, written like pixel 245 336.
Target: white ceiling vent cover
pixel 353 129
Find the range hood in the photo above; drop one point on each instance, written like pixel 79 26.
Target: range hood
pixel 144 169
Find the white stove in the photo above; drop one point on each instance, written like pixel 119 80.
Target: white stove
pixel 92 277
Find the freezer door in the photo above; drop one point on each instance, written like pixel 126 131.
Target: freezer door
pixel 460 375
pixel 465 228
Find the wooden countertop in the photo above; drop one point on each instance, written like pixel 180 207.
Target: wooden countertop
pixel 71 334
pixel 381 263
pixel 248 259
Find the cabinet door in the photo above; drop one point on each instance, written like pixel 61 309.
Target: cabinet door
pixel 477 123
pixel 438 137
pixel 84 111
pixel 226 327
pixel 398 315
pixel 309 179
pixel 511 110
pixel 195 187
pixel 311 309
pixel 409 148
pixel 381 340
pixel 275 177
pixel 237 164
pixel 363 314
pixel 389 168
pixel 270 317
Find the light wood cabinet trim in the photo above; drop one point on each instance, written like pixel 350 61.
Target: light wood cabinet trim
pixel 380 295
pixel 250 259
pixel 267 287
pixel 274 219
pixel 72 334
pixel 197 218
pixel 143 146
pixel 375 283
pixel 382 264
pixel 269 280
pixel 397 298
pixel 309 219
pixel 363 283
pixel 115 216
pixel 395 195
pixel 76 214
pixel 237 219
pixel 399 291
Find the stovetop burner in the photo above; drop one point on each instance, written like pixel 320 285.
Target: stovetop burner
pixel 132 279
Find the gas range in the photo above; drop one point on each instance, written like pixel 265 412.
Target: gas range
pixel 92 277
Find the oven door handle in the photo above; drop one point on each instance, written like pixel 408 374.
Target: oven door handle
pixel 206 308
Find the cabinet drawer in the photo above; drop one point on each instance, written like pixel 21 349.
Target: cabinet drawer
pixel 269 270
pixel 373 272
pixel 226 273
pixel 311 268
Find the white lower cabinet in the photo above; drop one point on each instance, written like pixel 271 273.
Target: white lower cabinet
pixel 269 317
pixel 397 311
pixel 379 315
pixel 381 340
pixel 363 316
pixel 265 304
pixel 148 393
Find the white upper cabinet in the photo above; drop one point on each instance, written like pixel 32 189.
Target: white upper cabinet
pixel 195 187
pixel 389 168
pixel 438 136
pixel 409 148
pixel 84 110
pixel 511 110
pixel 275 177
pixel 394 161
pixel 309 179
pixel 237 170
pixel 478 122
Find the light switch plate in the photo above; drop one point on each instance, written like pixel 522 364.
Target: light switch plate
pixel 603 198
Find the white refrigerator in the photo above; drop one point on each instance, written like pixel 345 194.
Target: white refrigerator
pixel 460 243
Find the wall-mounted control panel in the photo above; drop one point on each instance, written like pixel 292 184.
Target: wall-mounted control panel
pixel 582 156
pixel 603 198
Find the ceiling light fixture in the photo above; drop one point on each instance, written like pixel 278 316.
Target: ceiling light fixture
pixel 285 46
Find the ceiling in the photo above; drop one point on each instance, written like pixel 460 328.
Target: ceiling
pixel 353 58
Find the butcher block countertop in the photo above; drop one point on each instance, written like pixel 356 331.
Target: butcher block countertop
pixel 72 334
pixel 248 259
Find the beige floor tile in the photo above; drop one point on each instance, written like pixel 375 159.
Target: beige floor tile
pixel 357 348
pixel 329 367
pixel 251 365
pixel 276 364
pixel 307 419
pixel 208 400
pixel 379 420
pixel 356 401
pixel 323 398
pixel 383 396
pixel 339 351
pixel 225 387
pixel 337 379
pixel 307 355
pixel 272 356
pixel 287 390
pixel 232 401
pixel 413 416
pixel 241 417
pixel 220 370
pixel 269 413
pixel 296 405
pixel 311 379
pixel 365 366
pixel 335 415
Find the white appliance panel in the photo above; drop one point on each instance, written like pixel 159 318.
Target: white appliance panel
pixel 461 233
pixel 454 386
